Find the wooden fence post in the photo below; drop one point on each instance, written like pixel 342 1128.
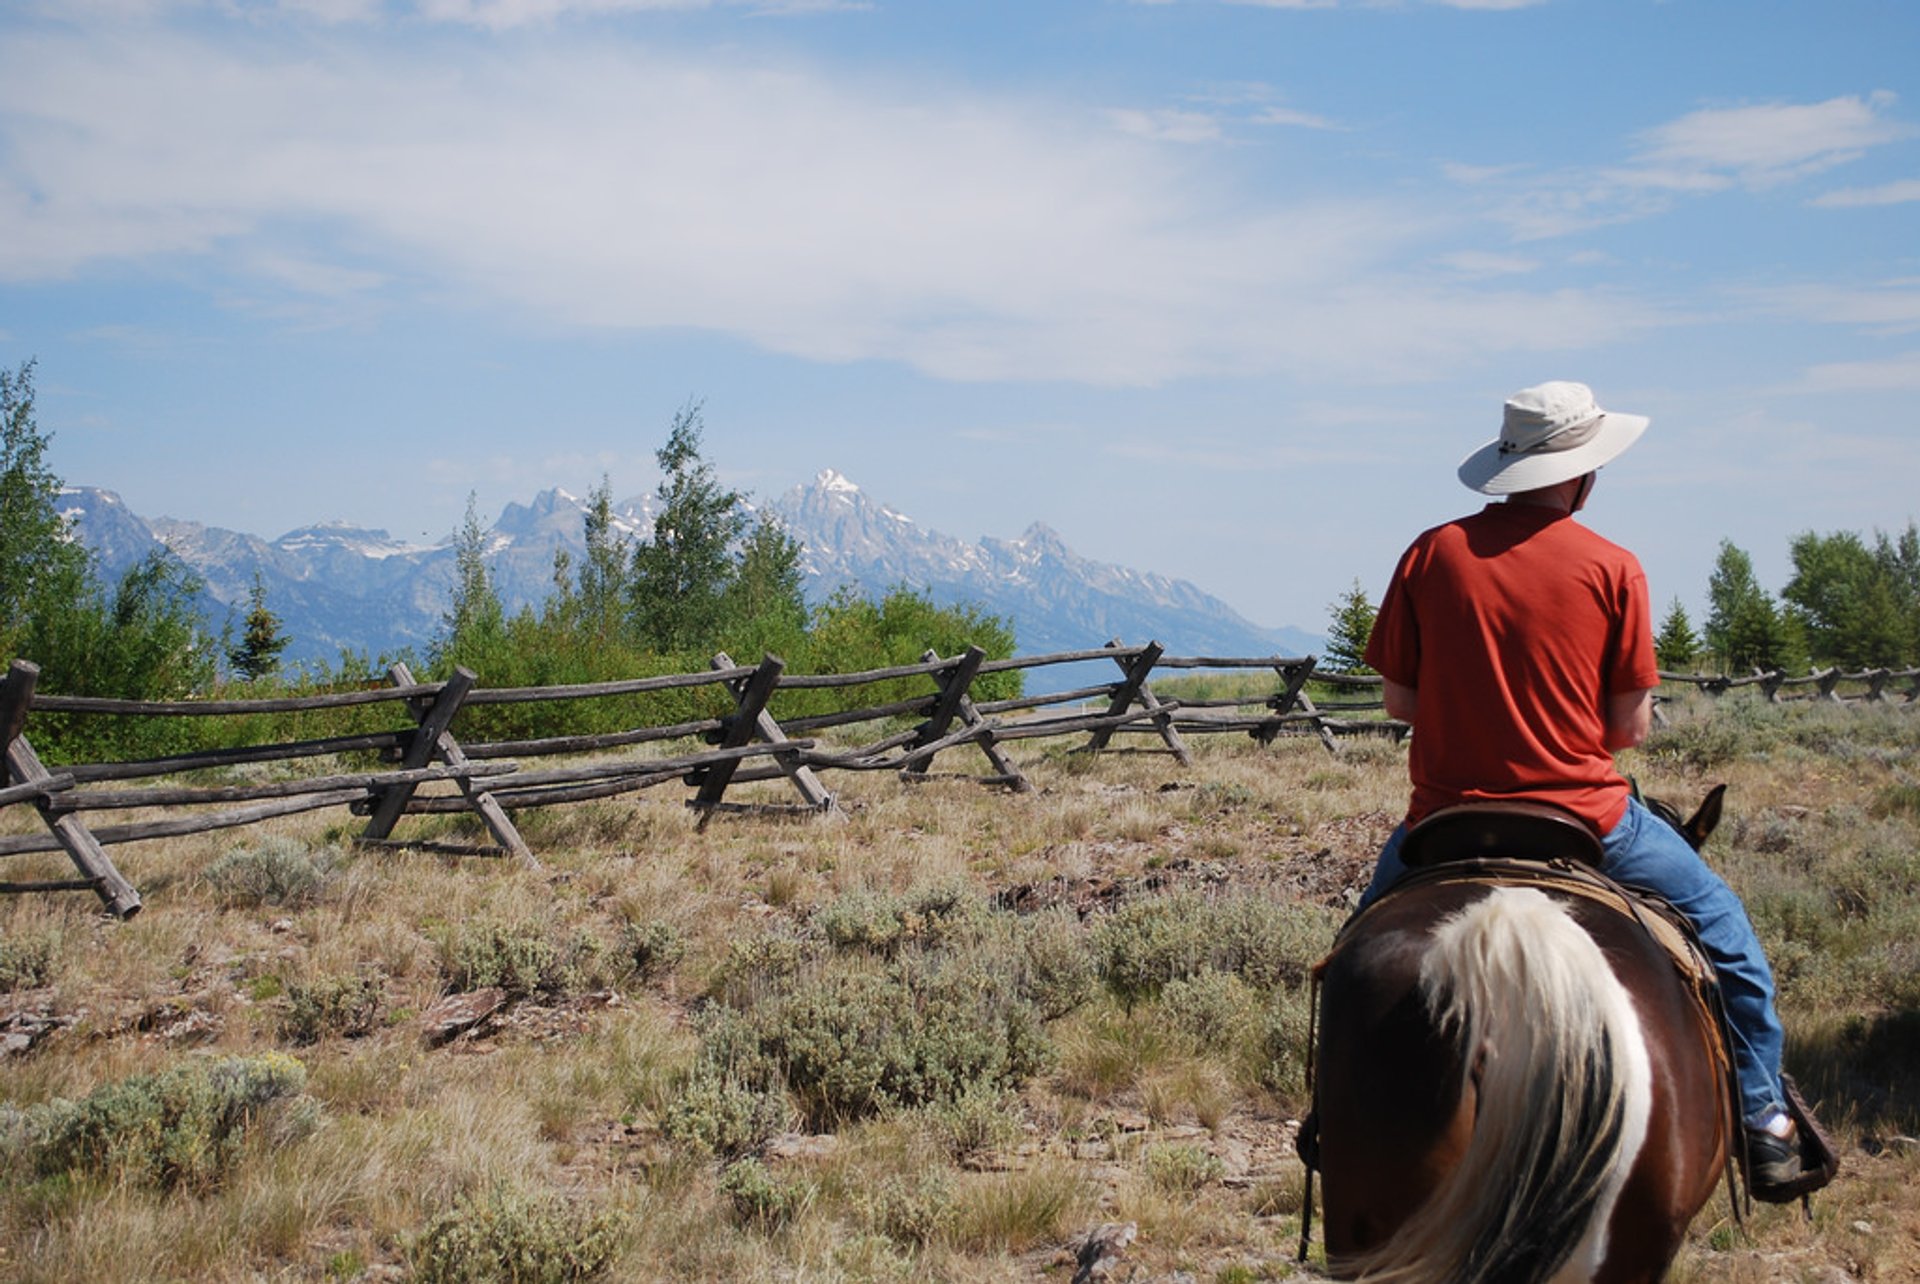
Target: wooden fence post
pixel 1294 696
pixel 1829 679
pixel 1131 687
pixel 24 768
pixel 433 740
pixel 750 718
pixel 956 703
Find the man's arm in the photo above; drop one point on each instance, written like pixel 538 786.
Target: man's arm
pixel 1629 718
pixel 1402 702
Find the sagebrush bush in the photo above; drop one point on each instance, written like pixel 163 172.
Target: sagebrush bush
pixel 910 1209
pixel 927 915
pixel 652 949
pixel 523 958
pixel 1146 944
pixel 272 871
pixel 854 1043
pixel 980 1120
pixel 26 961
pixel 761 1199
pixel 721 1114
pixel 343 1006
pixel 1182 1168
pixel 1213 1008
pixel 178 1127
pixel 505 1237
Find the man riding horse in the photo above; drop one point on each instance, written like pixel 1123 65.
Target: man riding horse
pixel 1519 645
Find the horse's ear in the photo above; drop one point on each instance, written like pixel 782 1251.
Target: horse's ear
pixel 1704 821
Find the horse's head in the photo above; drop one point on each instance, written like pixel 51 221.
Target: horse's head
pixel 1697 827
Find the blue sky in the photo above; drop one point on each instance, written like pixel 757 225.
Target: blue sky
pixel 1222 291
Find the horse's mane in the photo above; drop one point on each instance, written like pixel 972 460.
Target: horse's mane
pixel 1553 1048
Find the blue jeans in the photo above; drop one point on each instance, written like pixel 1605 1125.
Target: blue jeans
pixel 1644 851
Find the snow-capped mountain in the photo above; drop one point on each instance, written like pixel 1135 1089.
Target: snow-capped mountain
pixel 341 588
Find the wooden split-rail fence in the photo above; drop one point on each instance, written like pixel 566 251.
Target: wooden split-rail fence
pixel 711 756
pixel 744 746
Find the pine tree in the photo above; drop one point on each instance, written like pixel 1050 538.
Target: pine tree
pixel 257 654
pixel 1347 633
pixel 1676 645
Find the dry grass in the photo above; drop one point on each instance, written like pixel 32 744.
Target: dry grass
pixel 1173 1111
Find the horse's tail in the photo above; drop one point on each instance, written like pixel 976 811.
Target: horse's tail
pixel 1552 1048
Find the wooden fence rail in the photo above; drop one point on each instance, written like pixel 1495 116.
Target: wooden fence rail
pixel 426 770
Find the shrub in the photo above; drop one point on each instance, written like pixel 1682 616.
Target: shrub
pixel 347 1006
pixel 506 1236
pixel 724 1115
pixel 1146 944
pixel 26 962
pixel 272 871
pixel 980 1120
pixel 855 1043
pixel 1212 1008
pixel 758 1198
pixel 913 1210
pixel 1182 1168
pixel 879 923
pixel 521 958
pixel 652 949
pixel 179 1127
pixel 1283 1042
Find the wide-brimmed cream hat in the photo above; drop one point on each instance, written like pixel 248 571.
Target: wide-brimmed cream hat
pixel 1553 432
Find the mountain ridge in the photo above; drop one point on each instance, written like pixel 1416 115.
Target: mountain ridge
pixel 345 589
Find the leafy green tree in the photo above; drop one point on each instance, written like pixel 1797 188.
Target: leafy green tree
pixel 852 632
pixel 1744 628
pixel 257 654
pixel 475 625
pixel 1676 644
pixel 1350 626
pixel 763 605
pixel 1848 600
pixel 681 572
pixel 42 571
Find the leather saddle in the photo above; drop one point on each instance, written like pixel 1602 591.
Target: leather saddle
pixel 1477 830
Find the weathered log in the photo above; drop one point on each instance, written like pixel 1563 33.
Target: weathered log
pixel 107 835
pixel 53 784
pixel 589 743
pixel 1058 657
pixel 124 799
pixel 595 690
pixel 222 708
pixel 89 773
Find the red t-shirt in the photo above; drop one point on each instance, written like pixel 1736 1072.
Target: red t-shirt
pixel 1514 625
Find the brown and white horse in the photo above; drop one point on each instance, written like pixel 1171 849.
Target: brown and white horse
pixel 1514 1083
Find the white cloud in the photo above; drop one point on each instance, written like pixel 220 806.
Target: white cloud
pixel 606 185
pixel 1167 126
pixel 1484 263
pixel 1890 307
pixel 1287 116
pixel 1893 374
pixel 1904 192
pixel 1768 143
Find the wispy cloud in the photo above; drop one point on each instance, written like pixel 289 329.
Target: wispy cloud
pixel 1702 153
pixel 606 185
pixel 1892 374
pixel 1167 126
pixel 1766 144
pixel 1904 192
